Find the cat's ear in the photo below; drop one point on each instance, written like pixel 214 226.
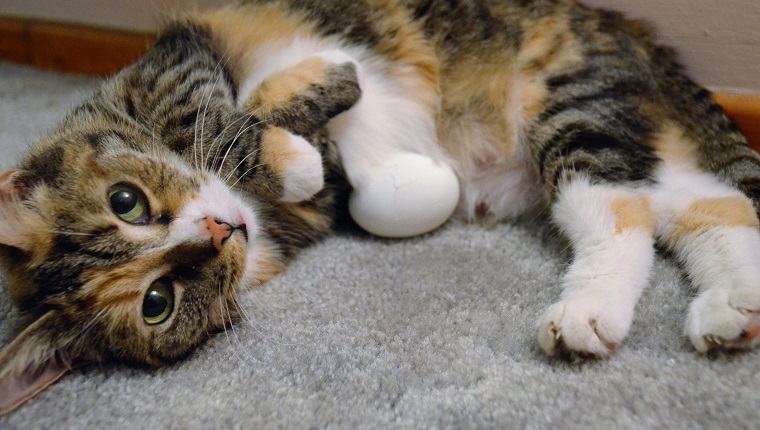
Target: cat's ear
pixel 15 215
pixel 32 362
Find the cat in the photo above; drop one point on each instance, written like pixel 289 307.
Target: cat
pixel 171 205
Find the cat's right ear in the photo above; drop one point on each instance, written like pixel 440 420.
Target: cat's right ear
pixel 15 215
pixel 37 358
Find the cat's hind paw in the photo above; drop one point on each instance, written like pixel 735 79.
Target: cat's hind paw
pixel 722 320
pixel 582 328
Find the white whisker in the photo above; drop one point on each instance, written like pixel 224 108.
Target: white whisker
pixel 223 307
pixel 71 233
pixel 232 172
pixel 243 175
pixel 219 172
pixel 218 147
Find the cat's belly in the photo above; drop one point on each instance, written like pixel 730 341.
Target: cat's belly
pixel 494 186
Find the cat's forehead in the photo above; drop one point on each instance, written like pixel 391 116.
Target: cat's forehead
pixel 162 172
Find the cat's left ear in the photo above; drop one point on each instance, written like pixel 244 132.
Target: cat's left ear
pixel 32 362
pixel 15 216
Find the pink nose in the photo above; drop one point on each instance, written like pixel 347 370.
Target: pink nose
pixel 219 231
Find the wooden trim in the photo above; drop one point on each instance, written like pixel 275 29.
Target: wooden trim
pixel 69 47
pixel 102 52
pixel 745 111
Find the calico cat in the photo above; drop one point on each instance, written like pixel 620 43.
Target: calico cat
pixel 129 231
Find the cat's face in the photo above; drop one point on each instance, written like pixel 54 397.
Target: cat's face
pixel 122 250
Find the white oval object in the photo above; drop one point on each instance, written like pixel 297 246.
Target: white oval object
pixel 410 194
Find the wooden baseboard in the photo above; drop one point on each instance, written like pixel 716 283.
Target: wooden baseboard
pixel 68 47
pixel 745 111
pixel 103 52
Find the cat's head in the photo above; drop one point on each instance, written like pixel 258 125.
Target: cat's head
pixel 129 231
pixel 118 248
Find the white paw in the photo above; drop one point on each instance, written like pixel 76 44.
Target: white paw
pixel 585 326
pixel 724 319
pixel 303 174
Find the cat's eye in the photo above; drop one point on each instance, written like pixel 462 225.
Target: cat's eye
pixel 129 203
pixel 158 302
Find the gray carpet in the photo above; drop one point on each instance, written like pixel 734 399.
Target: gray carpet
pixel 436 331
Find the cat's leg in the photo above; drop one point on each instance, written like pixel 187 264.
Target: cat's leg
pixel 611 230
pixel 305 96
pixel 713 230
pixel 297 102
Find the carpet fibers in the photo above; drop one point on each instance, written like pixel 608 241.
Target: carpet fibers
pixel 436 331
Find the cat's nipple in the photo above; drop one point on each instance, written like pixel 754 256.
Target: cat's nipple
pixel 220 231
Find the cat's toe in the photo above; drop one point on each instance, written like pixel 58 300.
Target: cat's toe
pixel 576 328
pixel 715 323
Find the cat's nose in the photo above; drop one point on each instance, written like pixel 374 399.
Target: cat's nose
pixel 219 230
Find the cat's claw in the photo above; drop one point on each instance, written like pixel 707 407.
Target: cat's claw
pixel 579 329
pixel 714 324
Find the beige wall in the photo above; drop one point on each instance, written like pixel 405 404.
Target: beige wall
pixel 719 40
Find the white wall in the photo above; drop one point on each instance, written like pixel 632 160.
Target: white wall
pixel 719 40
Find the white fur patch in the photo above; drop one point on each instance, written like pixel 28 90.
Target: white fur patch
pixel 304 175
pixel 216 200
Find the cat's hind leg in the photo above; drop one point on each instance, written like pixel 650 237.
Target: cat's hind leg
pixel 713 230
pixel 611 230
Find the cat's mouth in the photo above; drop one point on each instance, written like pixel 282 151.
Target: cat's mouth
pixel 242 228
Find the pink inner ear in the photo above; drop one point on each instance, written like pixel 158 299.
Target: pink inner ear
pixel 12 219
pixel 17 389
pixel 6 181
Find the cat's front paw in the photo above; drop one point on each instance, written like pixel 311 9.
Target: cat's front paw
pixel 585 327
pixel 724 319
pixel 295 161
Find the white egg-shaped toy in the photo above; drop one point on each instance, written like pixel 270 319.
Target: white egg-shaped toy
pixel 409 194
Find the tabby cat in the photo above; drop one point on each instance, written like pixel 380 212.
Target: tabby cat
pixel 204 167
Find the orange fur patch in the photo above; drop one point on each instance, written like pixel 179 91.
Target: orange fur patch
pixel 312 217
pixel 713 213
pixel 674 148
pixel 532 99
pixel 279 89
pixel 113 286
pixel 276 150
pixel 633 212
pixel 238 30
pixel 413 61
pixel 549 45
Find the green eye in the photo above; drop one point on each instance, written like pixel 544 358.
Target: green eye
pixel 129 203
pixel 158 302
